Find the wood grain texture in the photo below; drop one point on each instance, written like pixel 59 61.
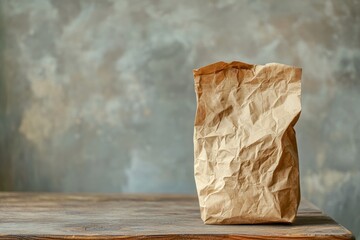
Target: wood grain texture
pixel 111 216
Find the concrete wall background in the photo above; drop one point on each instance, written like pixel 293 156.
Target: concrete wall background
pixel 98 95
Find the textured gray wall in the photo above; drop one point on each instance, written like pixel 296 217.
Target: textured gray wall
pixel 98 95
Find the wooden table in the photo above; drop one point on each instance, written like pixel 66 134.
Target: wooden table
pixel 94 216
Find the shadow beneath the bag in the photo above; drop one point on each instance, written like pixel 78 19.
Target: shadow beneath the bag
pixel 312 220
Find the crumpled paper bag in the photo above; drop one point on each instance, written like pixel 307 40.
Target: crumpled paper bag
pixel 246 158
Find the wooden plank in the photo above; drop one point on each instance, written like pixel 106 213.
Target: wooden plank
pixel 114 216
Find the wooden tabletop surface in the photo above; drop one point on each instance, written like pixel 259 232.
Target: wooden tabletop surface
pixel 115 216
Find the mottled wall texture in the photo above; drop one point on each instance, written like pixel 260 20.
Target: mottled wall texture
pixel 98 95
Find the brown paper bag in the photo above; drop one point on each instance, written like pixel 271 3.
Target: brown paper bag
pixel 246 159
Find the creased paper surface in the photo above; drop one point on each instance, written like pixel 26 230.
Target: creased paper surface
pixel 246 159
